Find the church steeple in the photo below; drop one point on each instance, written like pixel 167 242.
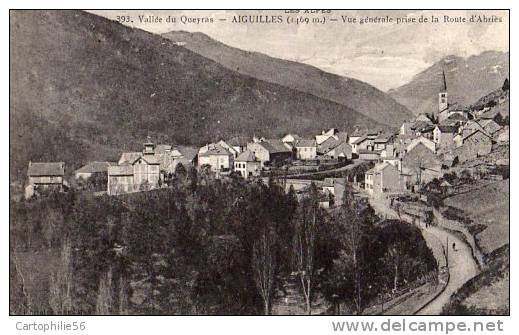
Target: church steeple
pixel 443 95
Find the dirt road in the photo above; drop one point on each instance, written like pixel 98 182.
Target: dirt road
pixel 462 267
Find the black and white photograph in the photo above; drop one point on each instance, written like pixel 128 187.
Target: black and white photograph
pixel 259 163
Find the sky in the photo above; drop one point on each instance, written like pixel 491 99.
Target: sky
pixel 385 55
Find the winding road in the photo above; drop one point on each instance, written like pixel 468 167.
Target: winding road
pixel 462 266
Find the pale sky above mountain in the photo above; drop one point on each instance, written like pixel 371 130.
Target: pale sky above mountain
pixel 385 55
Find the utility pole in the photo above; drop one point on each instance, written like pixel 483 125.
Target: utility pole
pixel 447 254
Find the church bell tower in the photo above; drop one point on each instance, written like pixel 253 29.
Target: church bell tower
pixel 443 95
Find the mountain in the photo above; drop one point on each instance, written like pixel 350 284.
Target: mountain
pixel 101 87
pixel 467 79
pixel 355 94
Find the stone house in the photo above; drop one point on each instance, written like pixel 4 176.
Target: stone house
pixel 306 149
pixel 270 151
pixel 219 158
pixel 247 165
pixel 326 134
pixel 342 151
pixel 238 143
pixel 383 178
pixel 418 158
pixel 361 143
pixel 474 145
pixel 443 136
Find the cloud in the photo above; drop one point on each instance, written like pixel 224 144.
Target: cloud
pixel 384 55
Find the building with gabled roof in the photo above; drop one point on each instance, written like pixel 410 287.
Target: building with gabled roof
pixel 443 136
pixel 93 168
pixel 342 151
pixel 239 143
pixel 306 149
pixel 43 175
pixel 420 157
pixel 247 165
pixel 270 151
pixel 359 144
pixel 216 156
pixel 383 178
pixel 490 126
pixel 327 145
pixel 136 171
pixel 474 145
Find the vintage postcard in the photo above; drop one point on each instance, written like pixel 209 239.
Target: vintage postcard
pixel 259 162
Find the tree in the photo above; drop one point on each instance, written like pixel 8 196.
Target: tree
pixel 305 242
pixel 352 236
pixel 123 297
pixel 180 171
pixel 104 302
pixel 264 266
pixel 506 85
pixel 60 295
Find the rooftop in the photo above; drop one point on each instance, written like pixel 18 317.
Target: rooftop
pixel 46 169
pixel 304 142
pixel 246 156
pixel 95 167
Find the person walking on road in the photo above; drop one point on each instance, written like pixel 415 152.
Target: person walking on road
pixel 454 246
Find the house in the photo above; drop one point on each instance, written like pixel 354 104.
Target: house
pixel 140 173
pixel 474 145
pixel 359 144
pixel 239 143
pixel 357 133
pixel 405 128
pixel 306 149
pixel 372 135
pixel 381 141
pixel 383 178
pixel 216 156
pixel 342 136
pixel 120 179
pixel 341 152
pixel 422 117
pixel 290 140
pixel 490 126
pixel 269 151
pixel 425 141
pixel 93 168
pixel 247 165
pixel 368 155
pixel 452 110
pixel 229 147
pixel 327 145
pixel 325 135
pixel 503 135
pixel 181 154
pixel 443 136
pixel 44 175
pixel 419 156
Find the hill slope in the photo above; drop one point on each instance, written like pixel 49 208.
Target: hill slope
pixel 468 79
pixel 353 93
pixel 109 86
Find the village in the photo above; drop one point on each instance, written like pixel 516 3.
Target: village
pixel 379 163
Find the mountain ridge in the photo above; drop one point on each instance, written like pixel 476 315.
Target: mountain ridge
pixel 468 79
pixel 110 86
pixel 358 95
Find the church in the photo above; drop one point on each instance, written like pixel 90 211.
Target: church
pixel 446 109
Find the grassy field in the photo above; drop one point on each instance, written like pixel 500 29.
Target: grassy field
pixel 487 206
